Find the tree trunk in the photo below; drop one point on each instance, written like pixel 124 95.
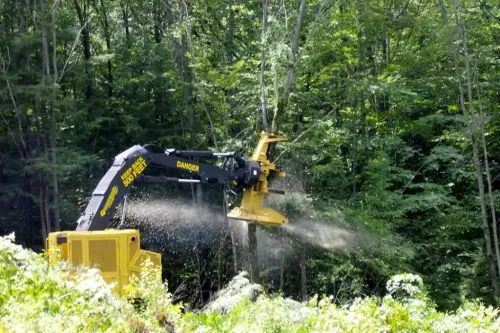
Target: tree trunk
pixel 21 146
pixel 45 46
pixel 157 21
pixel 51 117
pixel 107 36
pixel 491 200
pixel 282 275
pixel 234 246
pixel 43 226
pixel 473 129
pixel 231 227
pixel 290 74
pixel 199 268
pixel 303 275
pixel 230 33
pixel 46 210
pixel 182 66
pixel 127 26
pixel 53 126
pixel 262 86
pixel 477 162
pixel 199 195
pixel 252 252
pixel 83 16
pixel 354 162
pixel 489 181
pixel 101 10
pixel 230 99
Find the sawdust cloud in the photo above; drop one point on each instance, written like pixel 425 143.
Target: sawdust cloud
pixel 322 234
pixel 332 233
pixel 166 220
pixel 163 213
pixel 284 243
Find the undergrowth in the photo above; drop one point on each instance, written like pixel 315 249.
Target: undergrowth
pixel 38 297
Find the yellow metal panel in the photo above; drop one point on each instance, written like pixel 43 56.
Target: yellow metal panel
pixel 102 254
pixel 85 249
pixel 116 253
pixel 76 252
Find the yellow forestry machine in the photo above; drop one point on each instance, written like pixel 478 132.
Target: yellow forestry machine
pixel 117 252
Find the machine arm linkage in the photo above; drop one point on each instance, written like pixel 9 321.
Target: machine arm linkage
pixel 131 165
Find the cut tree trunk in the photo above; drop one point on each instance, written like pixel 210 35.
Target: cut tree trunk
pixel 252 252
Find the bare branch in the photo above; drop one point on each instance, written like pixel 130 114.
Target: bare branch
pixel 55 5
pixel 296 54
pixel 4 68
pixel 75 42
pixel 290 75
pixel 12 136
pixel 307 130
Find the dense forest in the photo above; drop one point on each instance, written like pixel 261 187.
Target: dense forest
pixel 391 107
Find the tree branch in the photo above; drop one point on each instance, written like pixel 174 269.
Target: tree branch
pixel 75 42
pixel 16 110
pixel 307 130
pixel 262 88
pixel 290 75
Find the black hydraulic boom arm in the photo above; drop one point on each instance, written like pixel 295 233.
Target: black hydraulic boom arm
pixel 131 165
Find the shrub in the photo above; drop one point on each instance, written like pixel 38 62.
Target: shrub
pixel 38 297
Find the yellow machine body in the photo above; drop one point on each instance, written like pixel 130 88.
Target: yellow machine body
pixel 252 206
pixel 116 253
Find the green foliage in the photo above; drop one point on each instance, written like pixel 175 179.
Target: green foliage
pixel 412 313
pixel 154 310
pixel 36 295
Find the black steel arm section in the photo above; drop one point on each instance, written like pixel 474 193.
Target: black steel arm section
pixel 130 166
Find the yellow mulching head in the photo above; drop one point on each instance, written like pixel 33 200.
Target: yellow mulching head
pixel 252 205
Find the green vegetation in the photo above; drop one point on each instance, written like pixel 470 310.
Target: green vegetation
pixel 35 296
pixel 391 107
